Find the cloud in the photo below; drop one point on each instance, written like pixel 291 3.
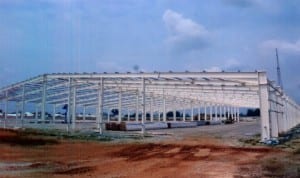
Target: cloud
pixel 283 46
pixel 184 34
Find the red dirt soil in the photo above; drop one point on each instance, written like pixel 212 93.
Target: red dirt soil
pixel 205 157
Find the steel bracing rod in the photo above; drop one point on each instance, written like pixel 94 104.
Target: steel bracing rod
pixel 36 90
pixel 208 99
pixel 16 85
pixel 196 87
pixel 94 78
pixel 66 92
pixel 131 104
pixel 90 96
pixel 112 101
pixel 158 75
pixel 85 94
pixel 245 96
pixel 183 82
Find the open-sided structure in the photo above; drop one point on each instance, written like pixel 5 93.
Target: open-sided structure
pixel 157 92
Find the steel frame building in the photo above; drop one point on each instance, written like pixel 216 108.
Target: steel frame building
pixel 158 92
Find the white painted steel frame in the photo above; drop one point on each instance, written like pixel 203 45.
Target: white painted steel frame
pixel 145 93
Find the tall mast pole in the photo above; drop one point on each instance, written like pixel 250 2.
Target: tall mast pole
pixel 278 71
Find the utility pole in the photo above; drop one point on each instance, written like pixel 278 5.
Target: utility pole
pixel 278 71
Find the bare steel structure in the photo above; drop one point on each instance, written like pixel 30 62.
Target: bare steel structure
pixel 144 94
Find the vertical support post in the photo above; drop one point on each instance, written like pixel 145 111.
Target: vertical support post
pixel 273 112
pixel 174 114
pixel 158 110
pixel 280 112
pixel 288 113
pixel 164 107
pixel 23 106
pixel 43 110
pixel 231 112
pixel 184 114
pixel 228 112
pixel 220 112
pixel 210 112
pixel 264 106
pixel 73 107
pixel 6 106
pixel 84 111
pixel 143 105
pixel 198 113
pixel 100 106
pixel 285 114
pixel 108 117
pixel 17 113
pixel 69 104
pixel 224 112
pixel 137 107
pixel 238 114
pixel 205 113
pixel 192 111
pixel 36 113
pixel 54 112
pixel 151 109
pixel 216 112
pixel 120 106
pixel 128 114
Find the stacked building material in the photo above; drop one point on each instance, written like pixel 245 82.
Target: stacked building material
pixel 181 124
pixel 215 122
pixel 112 126
pixel 136 126
pixel 202 122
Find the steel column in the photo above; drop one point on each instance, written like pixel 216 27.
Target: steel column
pixel 264 106
pixel 73 107
pixel 137 107
pixel 23 106
pixel 143 105
pixel 120 106
pixel 100 106
pixel 6 106
pixel 44 90
pixel 164 108
pixel 205 114
pixel 184 114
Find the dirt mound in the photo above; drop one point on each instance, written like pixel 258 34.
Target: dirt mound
pixel 183 152
pixel 76 170
pixel 18 138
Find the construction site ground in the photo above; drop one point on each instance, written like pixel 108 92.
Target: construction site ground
pixel 207 151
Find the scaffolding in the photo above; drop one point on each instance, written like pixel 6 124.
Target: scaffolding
pixel 150 94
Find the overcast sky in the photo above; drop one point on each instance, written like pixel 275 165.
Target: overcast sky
pixel 47 36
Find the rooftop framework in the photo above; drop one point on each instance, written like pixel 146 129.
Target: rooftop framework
pixel 221 92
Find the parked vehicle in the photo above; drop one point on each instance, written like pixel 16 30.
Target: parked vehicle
pixel 28 114
pixel 13 114
pixel 59 115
